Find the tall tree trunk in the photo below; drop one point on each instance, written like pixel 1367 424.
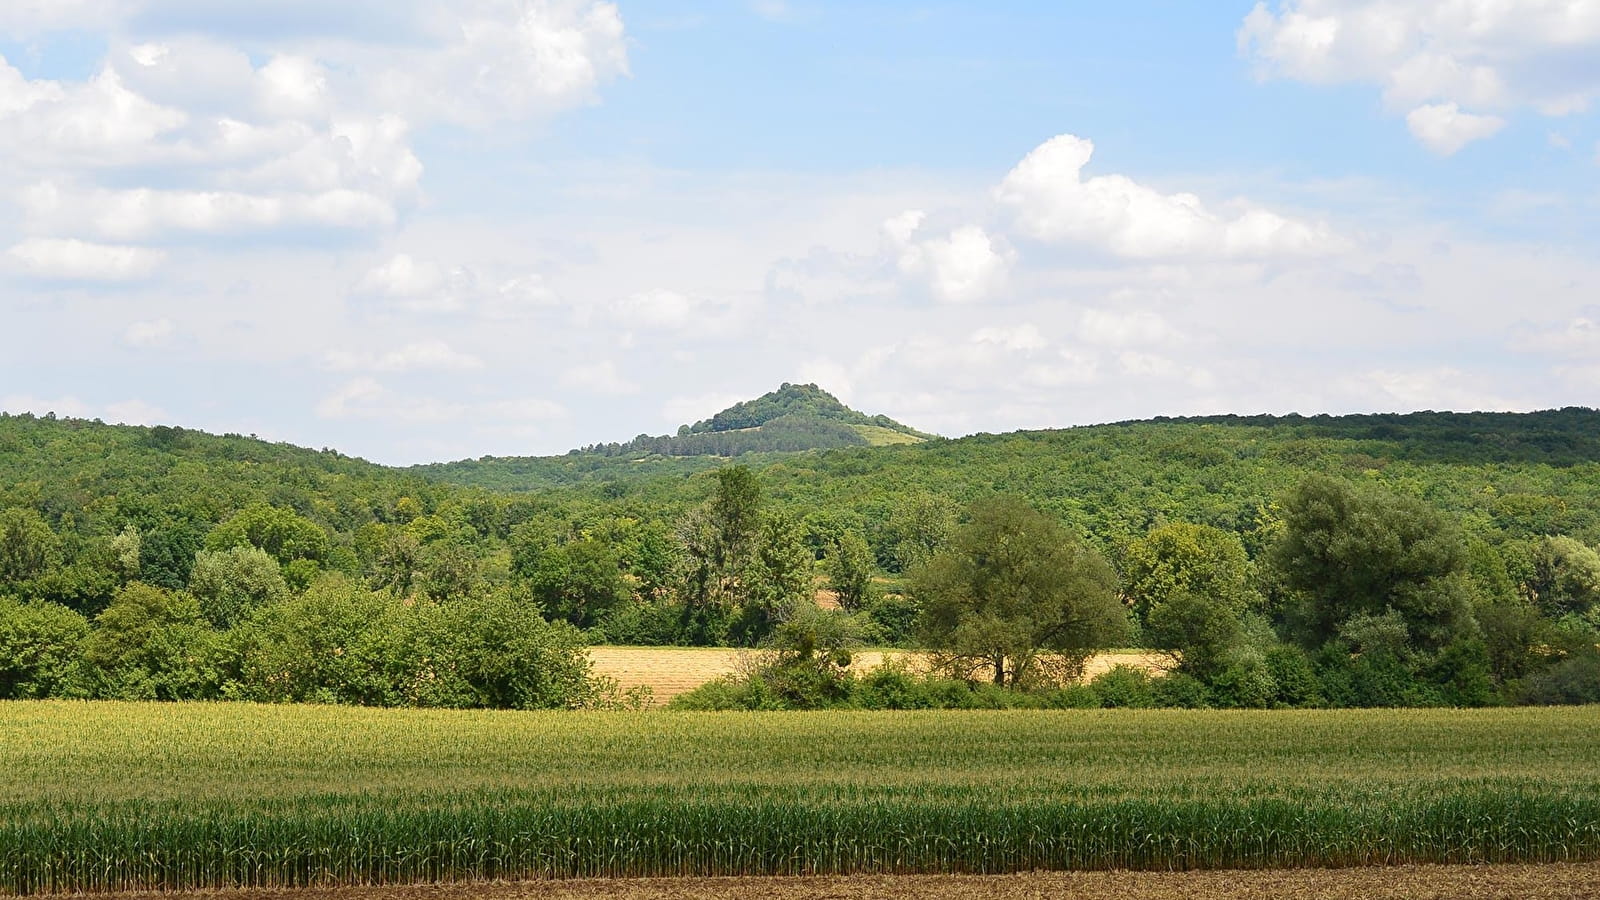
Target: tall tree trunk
pixel 1000 669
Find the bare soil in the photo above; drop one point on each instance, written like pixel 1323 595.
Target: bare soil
pixel 1511 882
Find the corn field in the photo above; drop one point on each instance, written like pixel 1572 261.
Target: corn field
pixel 107 796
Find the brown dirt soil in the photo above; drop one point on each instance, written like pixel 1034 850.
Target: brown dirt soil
pixel 670 671
pixel 1521 882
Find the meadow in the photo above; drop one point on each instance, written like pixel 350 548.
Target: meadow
pixel 120 796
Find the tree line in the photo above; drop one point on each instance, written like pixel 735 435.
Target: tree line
pixel 1344 594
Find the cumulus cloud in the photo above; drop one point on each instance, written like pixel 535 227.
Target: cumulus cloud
pixel 421 285
pixel 421 355
pixel 1445 129
pixel 499 60
pixel 1053 202
pixel 74 260
pixel 965 265
pixel 1485 54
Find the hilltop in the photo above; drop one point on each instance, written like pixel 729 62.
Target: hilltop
pixel 792 418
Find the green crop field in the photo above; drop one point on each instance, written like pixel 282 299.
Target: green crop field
pixel 104 796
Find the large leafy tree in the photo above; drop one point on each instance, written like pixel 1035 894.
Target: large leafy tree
pixel 1352 552
pixel 1017 595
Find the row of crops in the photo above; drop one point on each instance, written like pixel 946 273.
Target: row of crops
pixel 97 797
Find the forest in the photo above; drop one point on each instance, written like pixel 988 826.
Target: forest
pixel 1424 559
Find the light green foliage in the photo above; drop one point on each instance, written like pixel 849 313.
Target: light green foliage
pixel 1018 594
pixel 781 574
pixel 40 650
pixel 1184 558
pixel 284 535
pixel 231 583
pixel 920 526
pixel 719 540
pixel 208 796
pixel 125 549
pixel 314 647
pixel 450 570
pixel 850 570
pixel 1564 577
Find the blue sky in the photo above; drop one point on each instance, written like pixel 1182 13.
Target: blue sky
pixel 420 231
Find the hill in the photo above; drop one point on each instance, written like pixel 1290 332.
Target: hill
pixel 1506 476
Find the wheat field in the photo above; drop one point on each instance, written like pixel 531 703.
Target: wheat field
pixel 670 671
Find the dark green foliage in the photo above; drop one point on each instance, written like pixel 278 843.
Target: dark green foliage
pixel 1294 677
pixel 579 582
pixel 1124 687
pixel 1181 691
pixel 1019 594
pixel 1575 679
pixel 1351 552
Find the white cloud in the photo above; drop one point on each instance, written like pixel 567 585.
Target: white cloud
pixel 148 214
pixel 421 285
pixel 499 60
pixel 1052 202
pixel 136 412
pixel 74 260
pixel 1019 337
pixel 421 355
pixel 1579 337
pixel 1437 388
pixel 1119 329
pixel 367 398
pixel 598 378
pixel 1445 129
pixel 963 266
pixel 68 406
pixel 153 333
pixel 1485 54
pixel 689 409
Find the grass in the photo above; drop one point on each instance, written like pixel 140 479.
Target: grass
pixel 108 796
pixel 878 436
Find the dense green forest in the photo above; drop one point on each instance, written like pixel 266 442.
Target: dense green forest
pixel 171 563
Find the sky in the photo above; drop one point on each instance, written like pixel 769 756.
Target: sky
pixel 419 231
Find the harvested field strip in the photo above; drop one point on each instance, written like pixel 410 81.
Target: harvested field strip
pixel 1504 882
pixel 148 796
pixel 670 671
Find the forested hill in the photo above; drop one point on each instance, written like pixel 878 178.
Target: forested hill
pixel 1563 437
pixel 793 418
pixel 77 487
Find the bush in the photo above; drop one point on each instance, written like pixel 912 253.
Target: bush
pixel 1124 687
pixel 1180 689
pixel 892 686
pixel 1295 677
pixel 1245 682
pixel 641 624
pixel 1575 679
